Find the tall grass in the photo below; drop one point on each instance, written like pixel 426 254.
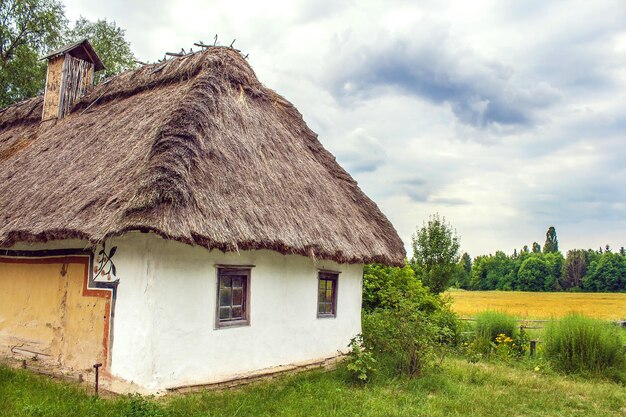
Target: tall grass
pixel 490 324
pixel 584 345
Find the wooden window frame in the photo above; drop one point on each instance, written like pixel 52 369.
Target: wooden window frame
pixel 328 276
pixel 223 271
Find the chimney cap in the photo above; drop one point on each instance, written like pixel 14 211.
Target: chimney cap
pixel 82 50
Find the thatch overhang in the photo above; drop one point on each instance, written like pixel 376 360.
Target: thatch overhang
pixel 196 150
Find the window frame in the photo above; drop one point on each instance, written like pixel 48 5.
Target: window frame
pixel 223 271
pixel 328 276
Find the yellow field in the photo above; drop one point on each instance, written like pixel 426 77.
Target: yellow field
pixel 540 304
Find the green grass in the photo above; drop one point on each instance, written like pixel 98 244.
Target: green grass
pixel 457 389
pixel 581 344
pixel 490 324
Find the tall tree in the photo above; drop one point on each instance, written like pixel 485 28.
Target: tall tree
pixel 109 43
pixel 536 247
pixel 552 243
pixel 28 28
pixel 436 252
pixel 466 261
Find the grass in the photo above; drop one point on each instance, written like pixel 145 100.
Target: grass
pixel 458 389
pixel 489 325
pixel 606 306
pixel 580 344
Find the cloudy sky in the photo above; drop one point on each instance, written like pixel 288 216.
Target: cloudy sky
pixel 506 117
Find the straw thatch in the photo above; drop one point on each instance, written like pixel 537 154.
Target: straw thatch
pixel 194 149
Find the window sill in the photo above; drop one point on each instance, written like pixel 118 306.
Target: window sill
pixel 326 316
pixel 231 324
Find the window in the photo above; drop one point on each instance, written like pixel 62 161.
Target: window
pixel 233 297
pixel 327 294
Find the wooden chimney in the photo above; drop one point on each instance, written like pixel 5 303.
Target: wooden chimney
pixel 70 75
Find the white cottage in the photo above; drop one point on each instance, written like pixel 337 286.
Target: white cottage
pixel 178 223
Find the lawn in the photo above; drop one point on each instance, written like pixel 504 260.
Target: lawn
pixel 459 388
pixel 608 306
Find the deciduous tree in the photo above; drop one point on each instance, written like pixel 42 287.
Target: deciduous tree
pixel 436 252
pixel 552 243
pixel 574 269
pixel 109 43
pixel 28 28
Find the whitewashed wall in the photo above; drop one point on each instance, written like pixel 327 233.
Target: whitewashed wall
pixel 165 333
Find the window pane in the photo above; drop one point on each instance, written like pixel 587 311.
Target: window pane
pixel 225 297
pixel 328 308
pixel 321 296
pixel 237 281
pixel 225 281
pixel 224 313
pixel 237 296
pixel 237 313
pixel 329 294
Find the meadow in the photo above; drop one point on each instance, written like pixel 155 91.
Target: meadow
pixel 457 388
pixel 540 305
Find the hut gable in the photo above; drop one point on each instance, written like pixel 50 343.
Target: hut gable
pixel 194 149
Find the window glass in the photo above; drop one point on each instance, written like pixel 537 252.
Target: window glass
pixel 232 297
pixel 327 294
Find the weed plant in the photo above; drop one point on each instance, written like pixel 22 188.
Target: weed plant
pixel 583 345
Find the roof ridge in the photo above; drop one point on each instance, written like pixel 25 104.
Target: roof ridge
pixel 151 76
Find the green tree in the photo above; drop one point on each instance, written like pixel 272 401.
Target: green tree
pixel 532 273
pixel 436 252
pixel 28 28
pixel 554 262
pixel 462 272
pixel 552 243
pixel 608 273
pixel 109 43
pixel 536 247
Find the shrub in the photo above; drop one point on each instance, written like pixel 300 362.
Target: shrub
pixel 411 338
pixel 490 325
pixel 360 360
pixel 584 345
pixel 403 322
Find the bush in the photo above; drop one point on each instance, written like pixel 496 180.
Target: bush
pixel 360 360
pixel 409 337
pixel 403 322
pixel 584 345
pixel 491 325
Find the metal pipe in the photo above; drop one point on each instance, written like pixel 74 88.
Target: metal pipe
pixel 96 367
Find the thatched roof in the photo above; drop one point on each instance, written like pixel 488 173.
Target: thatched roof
pixel 196 150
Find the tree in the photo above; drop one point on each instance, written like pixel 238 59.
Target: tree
pixel 532 273
pixel 31 28
pixel 574 269
pixel 462 272
pixel 108 41
pixel 554 262
pixel 436 252
pixel 609 274
pixel 28 28
pixel 552 243
pixel 536 247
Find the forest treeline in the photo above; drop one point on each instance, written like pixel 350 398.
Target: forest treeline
pixel 544 269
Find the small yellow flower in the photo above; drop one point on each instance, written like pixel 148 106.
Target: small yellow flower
pixel 537 369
